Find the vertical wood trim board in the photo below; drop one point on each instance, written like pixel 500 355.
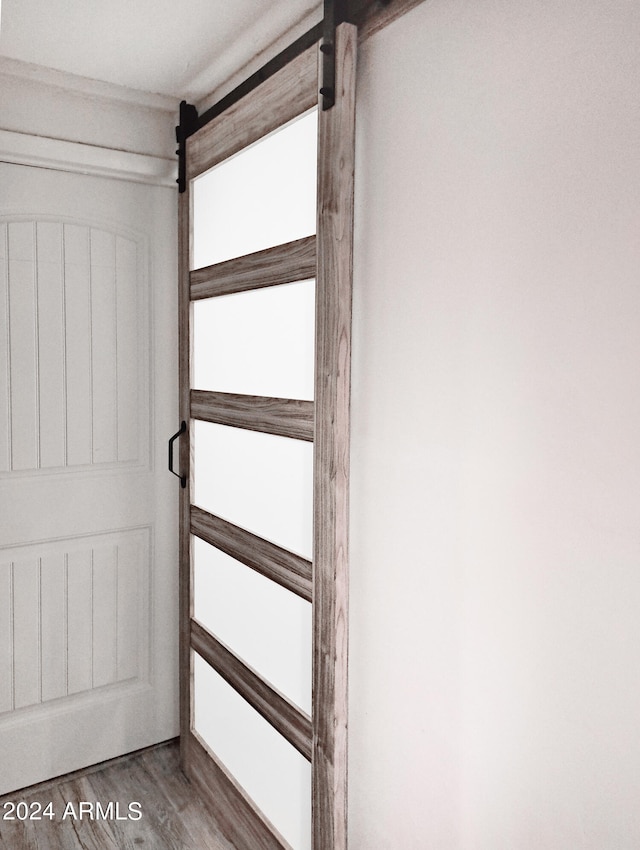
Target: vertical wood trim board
pixel 185 602
pixel 70 385
pixel 331 461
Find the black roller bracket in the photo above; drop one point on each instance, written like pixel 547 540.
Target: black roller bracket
pixel 335 13
pixel 187 126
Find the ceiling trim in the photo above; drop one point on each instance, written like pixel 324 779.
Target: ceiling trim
pixel 84 85
pixel 61 155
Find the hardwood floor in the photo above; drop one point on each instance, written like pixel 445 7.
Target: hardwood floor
pixel 170 815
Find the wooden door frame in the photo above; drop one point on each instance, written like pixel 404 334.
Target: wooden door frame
pixel 290 92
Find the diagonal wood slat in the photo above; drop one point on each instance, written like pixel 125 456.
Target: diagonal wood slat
pixel 285 568
pixel 229 805
pixel 336 140
pixel 185 595
pixel 285 417
pixel 285 263
pixel 280 712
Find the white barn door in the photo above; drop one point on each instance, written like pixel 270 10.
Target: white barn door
pixel 87 539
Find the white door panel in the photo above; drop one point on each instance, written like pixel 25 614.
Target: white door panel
pixel 88 544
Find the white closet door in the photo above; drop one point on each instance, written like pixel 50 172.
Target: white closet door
pixel 88 539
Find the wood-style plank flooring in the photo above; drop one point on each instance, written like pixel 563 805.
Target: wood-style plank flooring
pixel 172 815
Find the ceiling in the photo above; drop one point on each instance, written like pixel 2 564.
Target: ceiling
pixel 180 48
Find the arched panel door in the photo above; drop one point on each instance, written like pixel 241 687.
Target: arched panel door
pixel 87 543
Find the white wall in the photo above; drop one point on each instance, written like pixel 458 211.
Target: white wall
pixel 495 584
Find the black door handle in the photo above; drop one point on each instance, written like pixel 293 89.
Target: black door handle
pixel 183 478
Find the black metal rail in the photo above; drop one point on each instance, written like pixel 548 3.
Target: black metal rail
pixel 335 13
